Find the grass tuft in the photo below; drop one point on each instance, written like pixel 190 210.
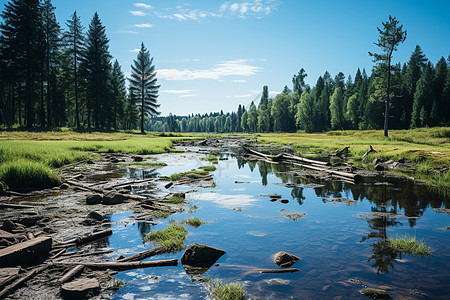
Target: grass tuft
pixel 174 200
pixel 409 245
pixel 229 291
pixel 177 176
pixel 212 158
pixel 28 174
pixel 208 168
pixel 161 214
pixel 193 222
pixel 171 238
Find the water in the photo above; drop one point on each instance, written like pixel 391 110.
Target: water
pixel 333 241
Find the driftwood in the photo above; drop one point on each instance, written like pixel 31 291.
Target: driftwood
pixel 21 280
pixel 88 238
pixel 26 252
pixel 264 271
pixel 59 253
pixel 143 255
pixel 131 183
pixel 71 274
pixel 341 152
pixel 368 151
pixel 15 206
pixel 134 197
pixel 305 163
pixel 125 265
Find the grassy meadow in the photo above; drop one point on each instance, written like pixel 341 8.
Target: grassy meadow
pixel 29 159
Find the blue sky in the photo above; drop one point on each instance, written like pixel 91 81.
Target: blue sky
pixel 217 54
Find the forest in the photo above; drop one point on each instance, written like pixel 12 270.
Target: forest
pixel 53 77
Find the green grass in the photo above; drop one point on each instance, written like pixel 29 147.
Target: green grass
pixel 177 176
pixel 409 245
pixel 171 238
pixel 174 200
pixel 28 174
pixel 161 214
pixel 229 291
pixel 212 158
pixel 193 222
pixel 54 149
pixel 208 168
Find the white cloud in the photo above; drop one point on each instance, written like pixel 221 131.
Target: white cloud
pixel 146 25
pixel 137 13
pixel 179 17
pixel 177 91
pixel 239 80
pixel 135 50
pixel 238 67
pixel 234 7
pixel 257 8
pixel 243 96
pixel 128 31
pixel 143 5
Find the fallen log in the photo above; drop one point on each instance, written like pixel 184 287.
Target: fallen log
pixel 21 280
pixel 125 265
pixel 341 152
pixel 130 183
pixel 88 238
pixel 27 252
pixel 71 274
pixel 15 206
pixel 368 151
pixel 143 255
pixel 77 254
pixel 306 160
pixel 133 197
pixel 277 271
pixel 356 177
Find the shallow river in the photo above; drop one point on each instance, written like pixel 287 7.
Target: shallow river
pixel 335 241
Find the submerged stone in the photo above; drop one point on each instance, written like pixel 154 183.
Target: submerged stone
pixel 375 293
pixel 285 260
pixel 80 287
pixel 199 258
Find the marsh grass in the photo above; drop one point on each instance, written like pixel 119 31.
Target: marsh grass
pixel 211 158
pixel 208 168
pixel 29 174
pixel 146 163
pixel 161 214
pixel 171 238
pixel 193 222
pixel 174 200
pixel 229 291
pixel 177 176
pixel 409 245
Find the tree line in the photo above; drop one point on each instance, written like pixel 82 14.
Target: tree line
pixel 419 90
pixel 54 77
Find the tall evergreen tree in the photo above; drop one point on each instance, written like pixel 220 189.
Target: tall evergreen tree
pixel 298 81
pixel 96 68
pixel 119 92
pixel 391 35
pixel 143 84
pixel 21 40
pixel 74 39
pixel 422 98
pixel 337 108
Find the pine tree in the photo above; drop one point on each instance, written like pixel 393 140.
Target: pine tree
pixel 119 93
pixel 390 37
pixel 96 68
pixel 336 108
pixel 143 84
pixel 264 111
pixel 422 97
pixel 21 41
pixel 252 118
pixel 74 40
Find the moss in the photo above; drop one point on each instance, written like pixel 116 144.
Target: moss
pixel 375 293
pixel 409 245
pixel 171 238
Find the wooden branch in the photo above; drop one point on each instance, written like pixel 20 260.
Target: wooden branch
pixel 143 255
pixel 59 253
pixel 125 265
pixel 265 271
pixel 71 274
pixel 21 280
pixel 77 254
pixel 131 183
pixel 368 151
pixel 15 206
pixel 88 238
pixel 341 152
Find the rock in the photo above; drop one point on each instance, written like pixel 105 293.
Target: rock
pixel 138 158
pixel 285 260
pixel 379 168
pixel 93 199
pixel 93 215
pixel 199 258
pixel 64 186
pixel 9 226
pixel 29 221
pixel 90 162
pixel 275 196
pixel 112 198
pixel 114 160
pixel 375 293
pixel 170 184
pixel 80 288
pixel 284 201
pixel 401 161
